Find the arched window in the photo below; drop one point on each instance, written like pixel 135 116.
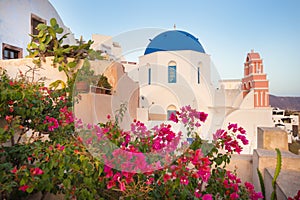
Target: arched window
pixel 172 72
pixel 198 75
pixel 171 109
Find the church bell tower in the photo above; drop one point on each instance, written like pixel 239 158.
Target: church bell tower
pixel 255 80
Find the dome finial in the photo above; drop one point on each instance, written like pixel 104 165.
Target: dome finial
pixel 174 26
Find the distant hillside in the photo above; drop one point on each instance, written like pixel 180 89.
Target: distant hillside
pixel 287 103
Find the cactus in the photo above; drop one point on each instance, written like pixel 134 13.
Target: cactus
pixel 261 181
pixel 276 174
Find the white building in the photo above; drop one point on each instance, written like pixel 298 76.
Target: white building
pixel 176 71
pixel 289 123
pixel 111 49
pixel 18 19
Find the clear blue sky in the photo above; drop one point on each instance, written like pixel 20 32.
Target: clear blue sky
pixel 227 29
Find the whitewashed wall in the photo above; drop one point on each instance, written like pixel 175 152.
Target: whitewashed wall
pixel 15 21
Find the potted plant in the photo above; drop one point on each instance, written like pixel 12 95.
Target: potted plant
pixel 103 86
pixel 85 77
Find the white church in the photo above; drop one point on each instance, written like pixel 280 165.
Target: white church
pixel 176 71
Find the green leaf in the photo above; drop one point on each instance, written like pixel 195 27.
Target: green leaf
pixel 41 26
pixel 219 161
pixel 30 189
pixel 67 183
pixel 23 181
pixel 59 30
pixel 53 22
pixel 42 47
pixel 261 181
pixel 72 64
pixel 48 39
pixel 88 181
pixel 41 34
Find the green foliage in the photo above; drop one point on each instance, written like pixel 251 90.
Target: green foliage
pixel 86 74
pixel 276 174
pixel 103 83
pixel 65 57
pixel 261 181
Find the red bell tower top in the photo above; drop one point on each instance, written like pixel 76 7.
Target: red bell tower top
pixel 255 80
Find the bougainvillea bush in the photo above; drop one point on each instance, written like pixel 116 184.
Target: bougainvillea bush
pixel 42 151
pixel 159 164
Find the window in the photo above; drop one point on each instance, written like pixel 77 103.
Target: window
pixel 198 75
pixel 200 66
pixel 149 76
pixel 11 52
pixel 35 20
pixel 172 72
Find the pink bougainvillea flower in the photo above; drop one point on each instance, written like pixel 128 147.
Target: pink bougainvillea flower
pixel 8 118
pixel 241 130
pixel 197 193
pixel 184 180
pixel 167 177
pixel 253 195
pixel 111 184
pixel 60 147
pixel 14 170
pixel 234 196
pixel 52 123
pixel 122 186
pixel 11 83
pixel 207 197
pixel 36 171
pixel 243 139
pixel 23 188
pixel 79 139
pixel 150 181
pixel 173 118
pixel 202 116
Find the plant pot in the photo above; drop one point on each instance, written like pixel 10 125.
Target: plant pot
pixel 82 86
pixel 98 90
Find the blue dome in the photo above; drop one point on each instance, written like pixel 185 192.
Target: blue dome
pixel 172 41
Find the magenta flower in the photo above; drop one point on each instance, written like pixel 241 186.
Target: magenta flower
pixel 36 171
pixel 23 188
pixel 167 177
pixel 253 195
pixel 234 196
pixel 14 170
pixel 184 180
pixel 60 147
pixel 111 184
pixel 52 123
pixel 207 197
pixel 243 139
pixel 202 116
pixel 173 118
pixel 122 186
